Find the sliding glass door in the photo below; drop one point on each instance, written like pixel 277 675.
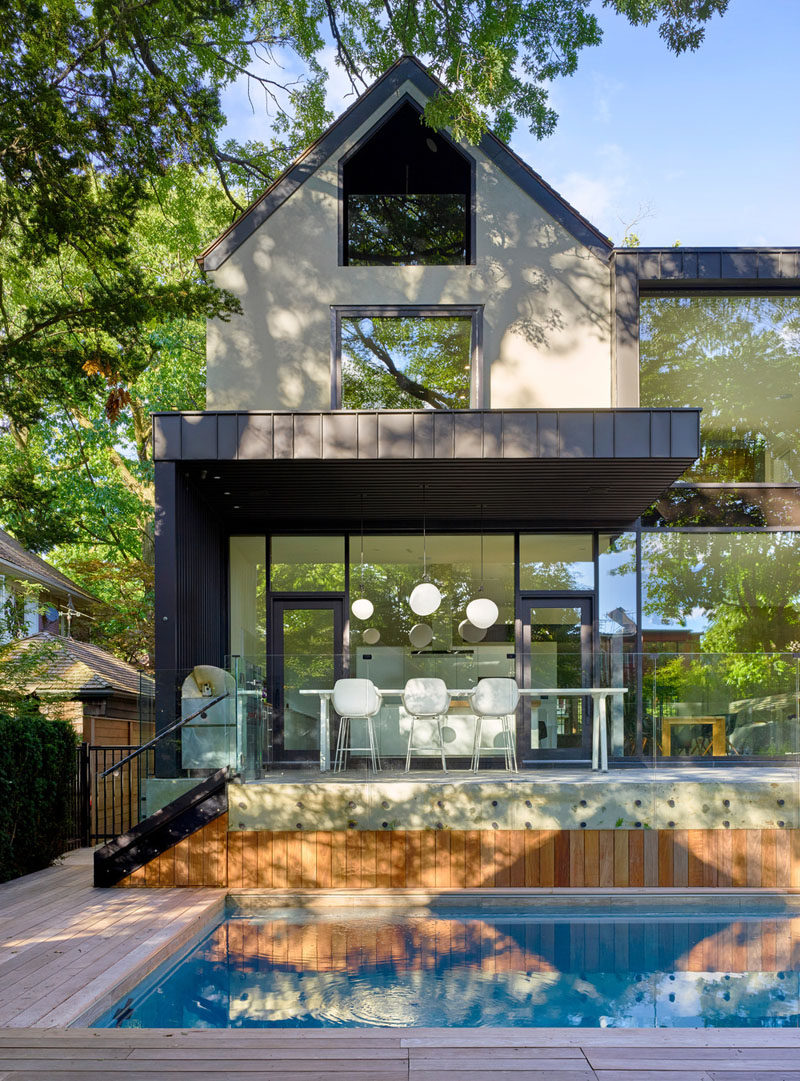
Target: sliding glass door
pixel 556 654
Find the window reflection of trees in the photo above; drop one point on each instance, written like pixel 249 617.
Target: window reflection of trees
pixel 407 230
pixel 738 357
pixel 406 362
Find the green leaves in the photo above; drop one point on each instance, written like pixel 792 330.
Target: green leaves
pixel 682 24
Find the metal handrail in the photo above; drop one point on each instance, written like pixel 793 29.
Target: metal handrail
pixel 167 732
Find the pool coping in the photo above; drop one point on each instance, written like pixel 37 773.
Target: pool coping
pixel 787 900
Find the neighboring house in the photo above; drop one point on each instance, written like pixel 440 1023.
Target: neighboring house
pixel 99 693
pixel 443 370
pixel 34 596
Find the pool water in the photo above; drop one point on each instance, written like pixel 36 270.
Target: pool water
pixel 470 968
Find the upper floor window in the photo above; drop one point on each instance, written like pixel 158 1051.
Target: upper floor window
pixel 407 197
pixel 738 356
pixel 406 358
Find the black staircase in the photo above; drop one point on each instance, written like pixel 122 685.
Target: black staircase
pixel 161 830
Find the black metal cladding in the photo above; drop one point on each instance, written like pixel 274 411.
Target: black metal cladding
pixel 526 467
pixel 413 435
pixel 190 587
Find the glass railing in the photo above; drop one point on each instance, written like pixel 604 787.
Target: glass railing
pixel 677 709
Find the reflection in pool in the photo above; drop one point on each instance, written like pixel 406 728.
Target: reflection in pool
pixel 296 969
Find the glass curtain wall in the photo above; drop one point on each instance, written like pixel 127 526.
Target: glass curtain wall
pixel 395 644
pixel 720 583
pixel 737 356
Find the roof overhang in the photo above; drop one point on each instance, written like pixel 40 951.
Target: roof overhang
pixel 524 467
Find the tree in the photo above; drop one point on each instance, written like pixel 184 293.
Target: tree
pixel 78 480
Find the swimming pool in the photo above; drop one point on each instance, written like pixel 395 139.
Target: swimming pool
pixel 474 967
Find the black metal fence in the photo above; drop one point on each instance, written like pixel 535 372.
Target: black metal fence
pixel 116 798
pixel 80 807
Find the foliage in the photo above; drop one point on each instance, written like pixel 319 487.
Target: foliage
pixel 37 769
pixel 406 362
pixel 85 471
pixel 736 356
pixel 123 623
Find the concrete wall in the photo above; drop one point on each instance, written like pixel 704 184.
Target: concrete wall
pixel 546 325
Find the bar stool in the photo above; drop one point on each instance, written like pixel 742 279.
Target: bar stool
pixel 426 699
pixel 356 700
pixel 495 698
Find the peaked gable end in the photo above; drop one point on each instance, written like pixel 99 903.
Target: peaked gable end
pixel 371 101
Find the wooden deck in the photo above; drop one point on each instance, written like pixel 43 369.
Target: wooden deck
pixel 401 1055
pixel 65 946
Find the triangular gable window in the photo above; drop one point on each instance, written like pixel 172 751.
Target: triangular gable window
pixel 407 197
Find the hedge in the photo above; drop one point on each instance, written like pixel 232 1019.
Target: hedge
pixel 37 774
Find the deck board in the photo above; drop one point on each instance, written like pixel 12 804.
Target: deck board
pixel 65 945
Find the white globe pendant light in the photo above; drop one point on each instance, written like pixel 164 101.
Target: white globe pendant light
pixel 420 635
pixel 425 597
pixel 469 632
pixel 372 636
pixel 481 611
pixel 362 608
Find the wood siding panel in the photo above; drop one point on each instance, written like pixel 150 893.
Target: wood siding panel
pixel 477 859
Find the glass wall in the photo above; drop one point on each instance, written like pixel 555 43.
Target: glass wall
pixel 721 620
pixel 704 648
pixel 307 564
pixel 395 644
pixel 737 356
pixel 556 561
pixel 248 604
pixel 617 624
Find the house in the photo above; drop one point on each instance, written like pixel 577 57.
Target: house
pixel 97 691
pixel 35 597
pixel 444 375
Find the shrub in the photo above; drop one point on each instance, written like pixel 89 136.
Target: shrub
pixel 37 772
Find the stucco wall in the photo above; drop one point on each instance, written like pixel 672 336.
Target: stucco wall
pixel 546 323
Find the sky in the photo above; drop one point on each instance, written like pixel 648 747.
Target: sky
pixel 702 149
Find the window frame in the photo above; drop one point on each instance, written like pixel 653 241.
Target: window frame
pixel 474 312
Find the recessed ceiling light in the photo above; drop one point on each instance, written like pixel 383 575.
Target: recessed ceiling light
pixel 216 476
pixel 226 493
pixel 235 506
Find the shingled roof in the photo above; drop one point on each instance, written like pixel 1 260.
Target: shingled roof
pixel 75 668
pixel 18 562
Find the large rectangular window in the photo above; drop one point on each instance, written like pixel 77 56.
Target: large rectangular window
pixel 406 358
pixel 738 357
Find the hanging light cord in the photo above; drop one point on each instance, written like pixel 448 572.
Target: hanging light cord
pixel 481 589
pixel 362 544
pixel 424 540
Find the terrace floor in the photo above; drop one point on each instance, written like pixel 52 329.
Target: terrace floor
pixel 549 774
pixel 65 945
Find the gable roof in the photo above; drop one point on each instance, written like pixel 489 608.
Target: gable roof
pixel 74 668
pixel 407 69
pixel 18 562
